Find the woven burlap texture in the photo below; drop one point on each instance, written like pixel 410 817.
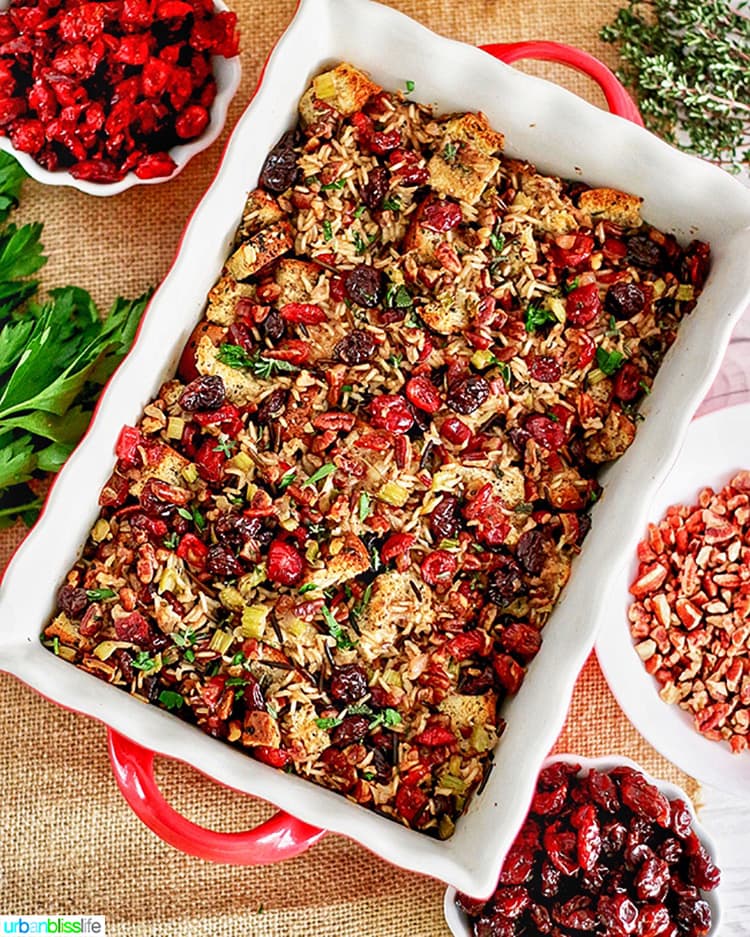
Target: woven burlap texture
pixel 68 842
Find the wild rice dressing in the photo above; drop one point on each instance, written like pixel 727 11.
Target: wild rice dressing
pixel 334 539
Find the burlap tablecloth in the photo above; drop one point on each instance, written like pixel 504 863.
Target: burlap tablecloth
pixel 68 842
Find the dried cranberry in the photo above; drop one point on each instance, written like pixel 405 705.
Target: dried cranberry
pixel 285 564
pixel 576 913
pixel 381 142
pixel 694 916
pixel 363 285
pixel 511 901
pixel 445 519
pixel 545 431
pixel 72 601
pixel 222 562
pixel 582 305
pixel 206 392
pixel 521 639
pixel 545 368
pixel 355 348
pixel 352 729
pixel 703 872
pixel 643 252
pixel 423 394
pixel 681 820
pixel 438 568
pixel 376 187
pixel 210 461
pixel 624 300
pixel 560 846
pixel 406 164
pixel 275 757
pixel 391 412
pixel 273 327
pixel 348 684
pixel 517 866
pixel 253 694
pixel 279 170
pixel 439 215
pixel 234 530
pixel 627 383
pixel 645 799
pixel 617 913
pixel 135 628
pixel 455 431
pixel 531 550
pixel 696 263
pixel 505 583
pixel 652 880
pixel 191 122
pixel 603 790
pixel 468 394
pixel 272 406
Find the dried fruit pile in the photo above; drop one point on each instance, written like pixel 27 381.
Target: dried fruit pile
pixel 603 853
pixel 105 88
pixel 334 541
pixel 691 617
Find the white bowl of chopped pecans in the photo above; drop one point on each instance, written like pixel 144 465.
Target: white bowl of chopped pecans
pixel 674 644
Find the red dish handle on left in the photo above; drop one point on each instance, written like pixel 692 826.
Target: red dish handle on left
pixel 618 99
pixel 281 837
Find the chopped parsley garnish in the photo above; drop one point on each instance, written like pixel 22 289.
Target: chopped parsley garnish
pixel 329 722
pixel 238 659
pixel 409 85
pixel 398 297
pixel 497 241
pixel 364 506
pixel 308 587
pixel 369 775
pixel 236 681
pixel 286 479
pixel 537 316
pixel 388 718
pixel 236 357
pixel 393 203
pixel 183 640
pixel 609 361
pixel 327 232
pixel 347 388
pixel 171 541
pixel 189 655
pixel 395 360
pixel 338 184
pixel 449 152
pixel 573 285
pixel 322 472
pixel 360 211
pixel 193 515
pixel 170 699
pixel 343 641
pixel 97 595
pixel 504 369
pixel 227 446
pixel 143 661
pixel 359 244
pixel 644 387
pixel 56 646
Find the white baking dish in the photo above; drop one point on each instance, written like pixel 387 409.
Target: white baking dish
pixel 562 135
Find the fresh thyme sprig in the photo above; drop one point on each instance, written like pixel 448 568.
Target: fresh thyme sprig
pixel 688 62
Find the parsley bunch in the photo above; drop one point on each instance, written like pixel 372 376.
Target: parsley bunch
pixel 688 62
pixel 54 358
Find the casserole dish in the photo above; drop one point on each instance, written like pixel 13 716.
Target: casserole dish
pixel 682 195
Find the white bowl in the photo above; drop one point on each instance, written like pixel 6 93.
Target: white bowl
pixel 227 74
pixel 717 446
pixel 458 922
pixel 563 135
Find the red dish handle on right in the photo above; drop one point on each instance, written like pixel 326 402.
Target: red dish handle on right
pixel 618 99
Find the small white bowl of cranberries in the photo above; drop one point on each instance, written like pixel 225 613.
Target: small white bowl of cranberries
pixel 605 849
pixel 104 96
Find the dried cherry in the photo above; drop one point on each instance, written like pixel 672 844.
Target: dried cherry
pixel 363 285
pixel 279 171
pixel 355 348
pixel 206 392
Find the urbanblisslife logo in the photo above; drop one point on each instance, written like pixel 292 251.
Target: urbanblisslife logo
pixel 53 924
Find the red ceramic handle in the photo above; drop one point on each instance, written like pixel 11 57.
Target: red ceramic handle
pixel 281 837
pixel 618 99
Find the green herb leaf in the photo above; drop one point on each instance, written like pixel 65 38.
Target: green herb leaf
pixel 170 700
pixel 329 722
pixel 504 369
pixel 360 211
pixel 644 387
pixel 449 152
pixel 97 595
pixel 498 242
pixel 343 641
pixel 286 479
pixel 227 446
pixel 56 645
pixel 389 718
pixel 236 681
pixel 409 85
pixel 537 317
pixel 308 587
pixel 234 356
pixel 364 506
pixel 322 472
pixel 327 231
pixel 171 541
pixel 392 203
pixel 359 609
pixel 189 655
pixel 609 361
pixel 338 184
pixel 143 661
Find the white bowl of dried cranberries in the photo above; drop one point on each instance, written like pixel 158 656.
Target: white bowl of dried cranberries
pixel 604 849
pixel 121 94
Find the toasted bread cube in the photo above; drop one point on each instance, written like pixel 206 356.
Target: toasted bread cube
pixel 296 278
pixel 474 129
pixel 351 560
pixel 555 212
pixel 522 250
pixel 613 438
pixel 421 240
pixel 261 210
pixel 447 315
pixel 466 710
pixel 223 299
pixel 241 387
pixel 260 728
pixel 612 205
pixel 166 464
pixel 508 487
pixel 465 177
pixel 344 88
pixel 260 250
